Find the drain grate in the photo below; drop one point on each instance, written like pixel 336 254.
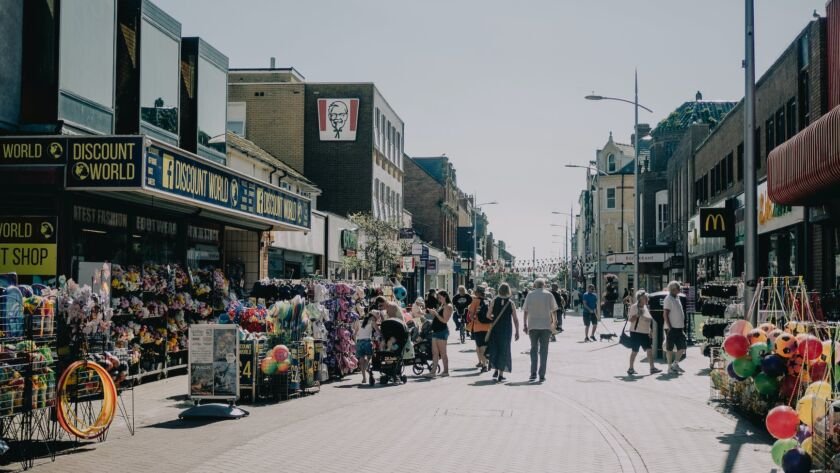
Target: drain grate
pixel 457 412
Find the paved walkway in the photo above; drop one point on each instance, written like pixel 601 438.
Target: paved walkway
pixel 587 417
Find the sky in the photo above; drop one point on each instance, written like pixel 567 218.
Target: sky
pixel 498 86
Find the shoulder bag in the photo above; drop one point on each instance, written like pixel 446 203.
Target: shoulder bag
pixel 625 338
pixel 496 320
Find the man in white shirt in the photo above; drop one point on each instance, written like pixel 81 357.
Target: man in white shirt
pixel 540 319
pixel 674 321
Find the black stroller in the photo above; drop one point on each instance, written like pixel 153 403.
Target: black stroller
pixel 388 357
pixel 423 350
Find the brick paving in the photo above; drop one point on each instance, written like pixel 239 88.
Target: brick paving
pixel 587 417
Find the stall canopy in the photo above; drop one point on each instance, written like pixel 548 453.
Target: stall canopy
pixel 806 169
pixel 140 168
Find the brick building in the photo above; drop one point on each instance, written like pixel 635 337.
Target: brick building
pixel 789 96
pixel 345 137
pixel 432 198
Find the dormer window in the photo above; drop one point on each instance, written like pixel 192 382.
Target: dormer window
pixel 611 163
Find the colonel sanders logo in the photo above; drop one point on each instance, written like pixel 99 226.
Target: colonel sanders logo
pixel 337 119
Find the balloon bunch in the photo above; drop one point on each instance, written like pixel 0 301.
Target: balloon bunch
pixel 276 361
pixel 781 363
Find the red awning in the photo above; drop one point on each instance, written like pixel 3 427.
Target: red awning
pixel 800 170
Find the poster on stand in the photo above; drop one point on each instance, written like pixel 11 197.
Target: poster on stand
pixel 213 362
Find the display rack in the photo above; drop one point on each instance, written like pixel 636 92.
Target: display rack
pixel 27 372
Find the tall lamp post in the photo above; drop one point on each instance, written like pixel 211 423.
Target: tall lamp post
pixel 476 208
pixel 637 232
pixel 571 230
pixel 565 252
pixel 597 204
pixel 750 190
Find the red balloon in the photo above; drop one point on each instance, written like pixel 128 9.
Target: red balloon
pixel 788 386
pixel 810 347
pixel 816 372
pixel 782 422
pixel 281 353
pixel 737 346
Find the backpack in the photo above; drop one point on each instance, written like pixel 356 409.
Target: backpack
pixel 482 312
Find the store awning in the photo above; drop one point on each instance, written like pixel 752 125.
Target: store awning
pixel 802 169
pixel 146 170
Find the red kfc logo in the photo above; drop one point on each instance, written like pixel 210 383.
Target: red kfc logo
pixel 338 119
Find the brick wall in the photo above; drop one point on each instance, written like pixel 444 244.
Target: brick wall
pixel 274 115
pixel 342 169
pixel 773 91
pixel 423 198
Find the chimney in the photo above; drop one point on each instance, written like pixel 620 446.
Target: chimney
pixel 272 63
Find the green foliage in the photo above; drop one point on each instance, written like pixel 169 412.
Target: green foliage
pixel 494 280
pixel 379 246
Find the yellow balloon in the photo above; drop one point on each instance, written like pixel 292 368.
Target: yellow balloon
pixel 811 408
pixel 820 389
pixel 808 446
pixel 826 351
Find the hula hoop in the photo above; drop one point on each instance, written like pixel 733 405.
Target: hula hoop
pixel 68 420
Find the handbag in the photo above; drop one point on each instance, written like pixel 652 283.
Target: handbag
pixel 496 320
pixel 625 339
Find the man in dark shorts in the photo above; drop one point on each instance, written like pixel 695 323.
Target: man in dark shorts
pixel 590 312
pixel 462 302
pixel 674 318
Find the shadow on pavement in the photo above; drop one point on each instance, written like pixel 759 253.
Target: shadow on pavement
pixel 522 383
pixel 472 350
pixel 485 382
pixel 630 378
pixel 177 424
pixel 465 369
pixel 471 375
pixel 744 434
pixel 704 372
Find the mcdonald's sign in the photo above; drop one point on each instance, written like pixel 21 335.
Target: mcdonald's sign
pixel 716 222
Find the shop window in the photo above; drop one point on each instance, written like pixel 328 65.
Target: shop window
pixel 611 198
pixel 804 99
pixel 160 57
pixel 87 50
pixel 769 135
pixel 791 117
pixel 236 113
pixel 212 105
pixel 740 162
pixel 780 126
pixel 728 162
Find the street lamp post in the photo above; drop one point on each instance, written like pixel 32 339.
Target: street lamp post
pixel 637 210
pixel 477 207
pixel 571 230
pixel 750 190
pixel 565 251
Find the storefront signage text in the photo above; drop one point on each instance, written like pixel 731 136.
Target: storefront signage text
pixel 28 245
pixel 33 150
pixel 208 235
pixel 100 217
pixel 407 264
pixel 152 225
pixel 773 216
pixel 104 162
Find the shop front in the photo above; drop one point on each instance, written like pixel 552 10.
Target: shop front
pixel 781 237
pixel 296 255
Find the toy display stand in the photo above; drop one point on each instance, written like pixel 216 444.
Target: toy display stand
pixel 27 368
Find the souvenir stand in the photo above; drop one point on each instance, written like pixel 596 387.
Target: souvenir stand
pixel 27 371
pixel 722 302
pixel 784 374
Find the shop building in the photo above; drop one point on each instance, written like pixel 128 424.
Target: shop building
pixel 432 198
pixel 346 138
pixel 802 179
pixel 672 152
pixel 789 96
pixel 130 142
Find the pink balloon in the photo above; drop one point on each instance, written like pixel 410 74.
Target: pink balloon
pixel 740 327
pixel 810 347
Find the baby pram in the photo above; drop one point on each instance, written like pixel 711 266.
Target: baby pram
pixel 388 356
pixel 423 350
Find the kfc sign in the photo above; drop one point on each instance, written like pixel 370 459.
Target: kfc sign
pixel 338 119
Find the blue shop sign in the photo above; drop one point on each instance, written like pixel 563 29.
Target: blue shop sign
pixel 178 174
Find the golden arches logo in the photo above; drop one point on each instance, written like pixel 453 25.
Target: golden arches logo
pixel 715 218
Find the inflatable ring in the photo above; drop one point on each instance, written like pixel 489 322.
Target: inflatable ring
pixel 68 417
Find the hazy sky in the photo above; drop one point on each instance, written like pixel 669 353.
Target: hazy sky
pixel 498 85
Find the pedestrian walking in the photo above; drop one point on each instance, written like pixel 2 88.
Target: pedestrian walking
pixel 440 331
pixel 674 318
pixel 364 342
pixel 503 315
pixel 539 319
pixel 461 302
pixel 575 299
pixel 561 304
pixel 641 324
pixel 590 312
pixel 479 324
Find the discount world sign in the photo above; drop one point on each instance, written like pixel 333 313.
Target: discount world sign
pixel 28 245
